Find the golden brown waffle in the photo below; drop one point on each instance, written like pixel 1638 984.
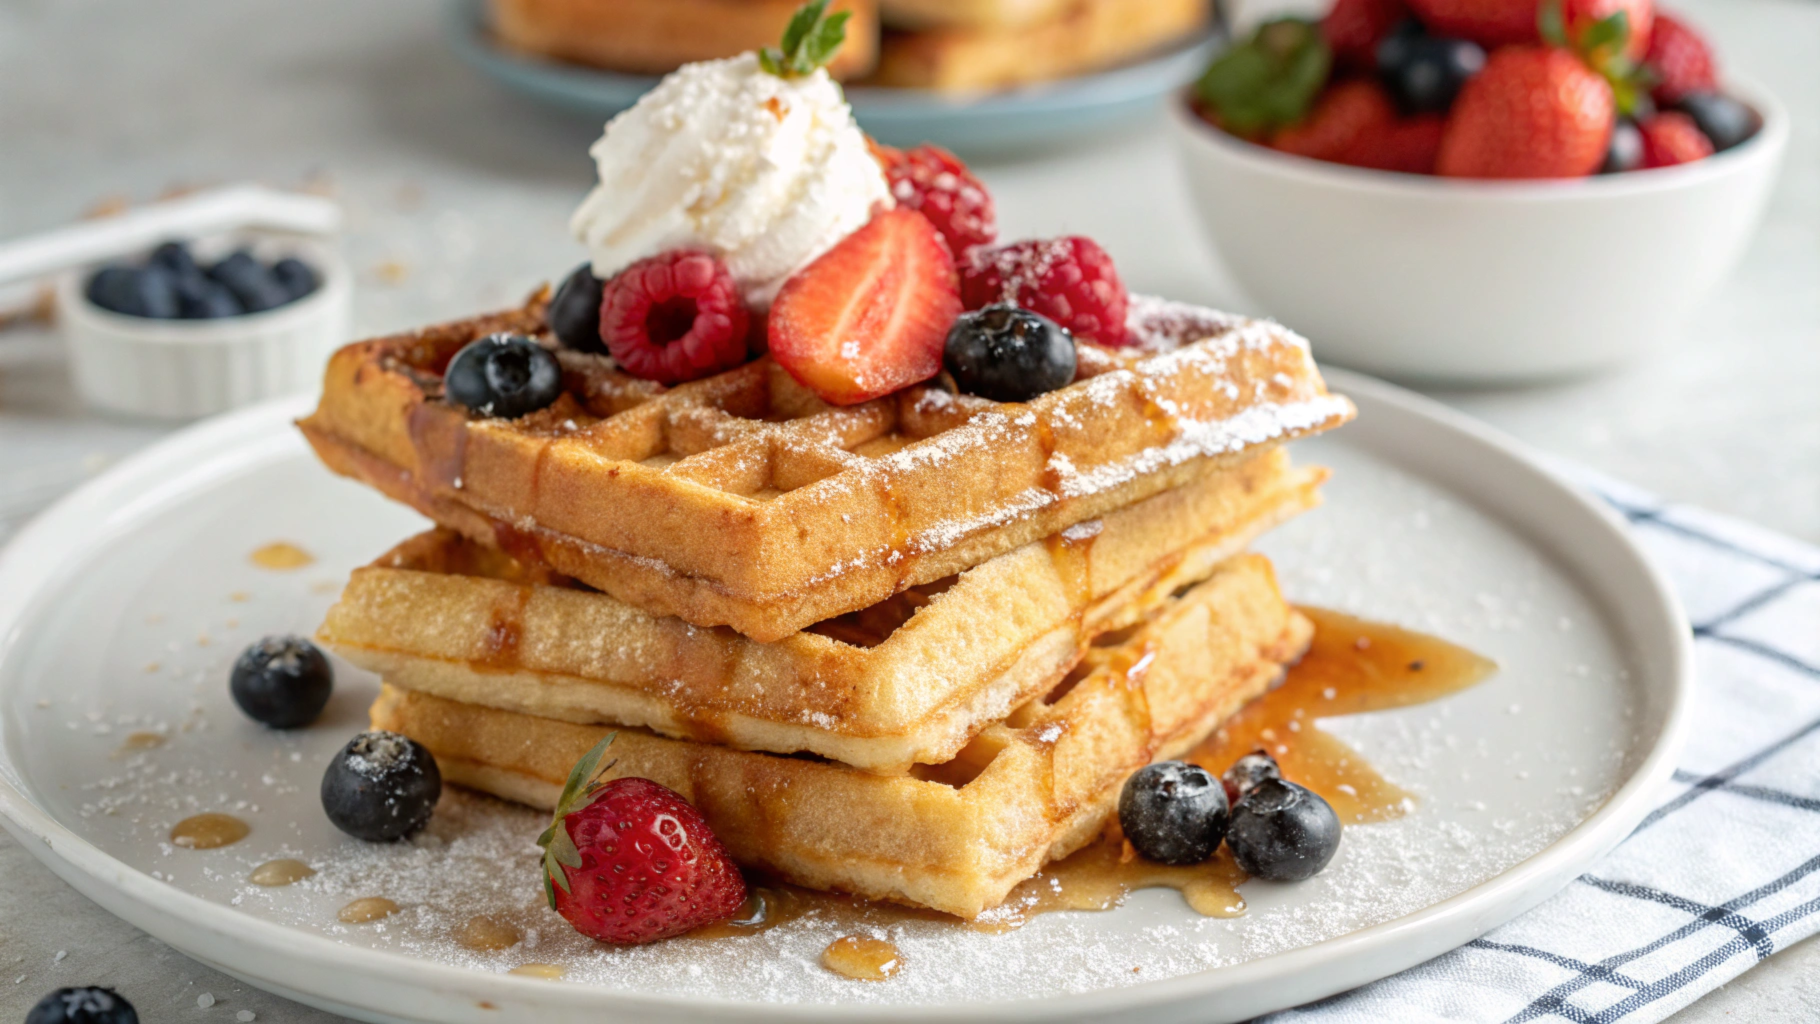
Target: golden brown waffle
pixel 910 680
pixel 919 14
pixel 658 36
pixel 1077 37
pixel 955 837
pixel 743 500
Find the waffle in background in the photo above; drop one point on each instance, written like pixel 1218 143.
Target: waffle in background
pixel 956 45
pixel 654 37
pixel 979 48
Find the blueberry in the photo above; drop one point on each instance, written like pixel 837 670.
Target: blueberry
pixel 176 258
pixel 574 313
pixel 1173 812
pixel 250 282
pixel 202 298
pixel 506 375
pixel 1625 153
pixel 1398 45
pixel 295 277
pixel 282 681
pixel 1008 354
pixel 381 787
pixel 1248 771
pixel 1283 832
pixel 134 291
pixel 1724 121
pixel 86 1005
pixel 1426 73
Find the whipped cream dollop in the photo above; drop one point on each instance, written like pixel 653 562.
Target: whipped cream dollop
pixel 766 173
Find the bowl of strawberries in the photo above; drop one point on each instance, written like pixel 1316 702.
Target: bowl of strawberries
pixel 1478 191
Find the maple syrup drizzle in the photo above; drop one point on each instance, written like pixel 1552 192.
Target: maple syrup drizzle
pixel 209 831
pixel 1352 666
pixel 548 972
pixel 281 556
pixel 137 742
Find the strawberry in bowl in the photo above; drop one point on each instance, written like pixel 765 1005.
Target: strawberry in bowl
pixel 1478 191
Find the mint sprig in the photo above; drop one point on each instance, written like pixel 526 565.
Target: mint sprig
pixel 1268 81
pixel 810 41
pixel 559 850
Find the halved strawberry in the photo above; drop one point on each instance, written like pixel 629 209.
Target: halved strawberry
pixel 870 315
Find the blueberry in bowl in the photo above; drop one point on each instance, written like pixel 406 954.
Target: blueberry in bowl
pixel 188 330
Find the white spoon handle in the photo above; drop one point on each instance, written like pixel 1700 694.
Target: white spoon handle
pixel 222 209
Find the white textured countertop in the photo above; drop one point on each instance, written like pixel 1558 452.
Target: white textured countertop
pixel 457 196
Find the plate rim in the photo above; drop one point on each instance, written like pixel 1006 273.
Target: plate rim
pixel 36 554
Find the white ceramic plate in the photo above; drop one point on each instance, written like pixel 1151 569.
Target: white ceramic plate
pixel 122 608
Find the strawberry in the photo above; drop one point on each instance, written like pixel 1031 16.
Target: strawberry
pixel 630 862
pixel 1503 22
pixel 1680 60
pixel 1344 116
pixel 933 181
pixel 1580 16
pixel 1534 112
pixel 1409 145
pixel 1355 27
pixel 1486 22
pixel 870 315
pixel 1673 138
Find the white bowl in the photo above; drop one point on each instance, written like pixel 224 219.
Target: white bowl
pixel 1479 282
pixel 182 369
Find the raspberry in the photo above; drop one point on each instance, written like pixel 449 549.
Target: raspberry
pixel 630 862
pixel 1069 280
pixel 933 181
pixel 1673 138
pixel 674 317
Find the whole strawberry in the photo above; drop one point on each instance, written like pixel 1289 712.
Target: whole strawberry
pixel 1680 60
pixel 1486 22
pixel 1344 116
pixel 630 862
pixel 1580 17
pixel 1534 112
pixel 934 182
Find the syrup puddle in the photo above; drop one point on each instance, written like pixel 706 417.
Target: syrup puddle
pixel 284 871
pixel 1352 667
pixel 862 959
pixel 366 910
pixel 281 556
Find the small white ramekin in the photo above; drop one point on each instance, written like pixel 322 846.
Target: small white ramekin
pixel 1442 280
pixel 182 369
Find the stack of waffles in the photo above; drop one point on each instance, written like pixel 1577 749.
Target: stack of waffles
pixel 908 649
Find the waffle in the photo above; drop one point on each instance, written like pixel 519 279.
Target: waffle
pixel 924 14
pixel 658 36
pixel 955 837
pixel 1081 36
pixel 743 500
pixel 910 680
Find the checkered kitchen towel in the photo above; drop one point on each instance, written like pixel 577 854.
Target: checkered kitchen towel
pixel 1724 872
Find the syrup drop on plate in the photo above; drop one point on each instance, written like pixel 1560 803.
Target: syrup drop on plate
pixel 366 910
pixel 861 959
pixel 283 871
pixel 209 831
pixel 281 556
